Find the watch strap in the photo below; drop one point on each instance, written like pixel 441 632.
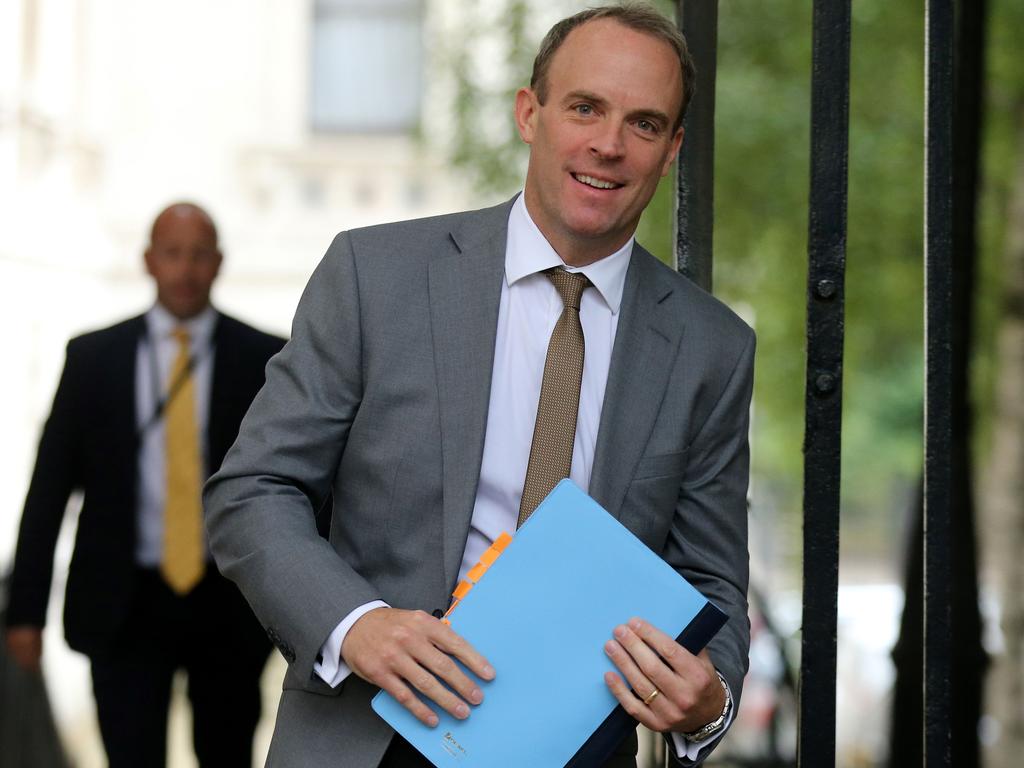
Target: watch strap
pixel 718 723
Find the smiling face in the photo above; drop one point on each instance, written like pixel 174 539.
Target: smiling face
pixel 183 259
pixel 602 139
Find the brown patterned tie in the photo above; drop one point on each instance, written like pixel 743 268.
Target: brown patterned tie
pixel 183 560
pixel 555 430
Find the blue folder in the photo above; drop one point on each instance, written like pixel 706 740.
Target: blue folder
pixel 541 615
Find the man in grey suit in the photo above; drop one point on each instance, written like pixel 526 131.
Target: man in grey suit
pixel 409 392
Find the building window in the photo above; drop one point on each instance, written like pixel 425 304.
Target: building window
pixel 367 62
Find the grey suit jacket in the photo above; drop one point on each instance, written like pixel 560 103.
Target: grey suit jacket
pixel 380 398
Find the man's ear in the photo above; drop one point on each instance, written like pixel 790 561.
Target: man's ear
pixel 526 109
pixel 677 142
pixel 147 257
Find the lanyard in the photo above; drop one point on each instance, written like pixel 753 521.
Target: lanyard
pixel 163 399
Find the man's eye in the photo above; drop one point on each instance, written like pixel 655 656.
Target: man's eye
pixel 646 126
pixel 585 109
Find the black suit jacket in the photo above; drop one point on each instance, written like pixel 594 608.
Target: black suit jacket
pixel 90 443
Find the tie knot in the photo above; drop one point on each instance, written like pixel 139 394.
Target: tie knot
pixel 570 285
pixel 181 336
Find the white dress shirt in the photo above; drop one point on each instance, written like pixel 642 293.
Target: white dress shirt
pixel 528 310
pixel 157 350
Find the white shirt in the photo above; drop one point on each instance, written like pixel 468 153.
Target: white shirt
pixel 528 310
pixel 157 350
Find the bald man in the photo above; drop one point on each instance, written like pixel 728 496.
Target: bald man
pixel 144 412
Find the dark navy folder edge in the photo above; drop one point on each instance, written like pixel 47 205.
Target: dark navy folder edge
pixel 619 724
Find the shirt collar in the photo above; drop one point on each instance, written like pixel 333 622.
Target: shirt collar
pixel 161 324
pixel 527 252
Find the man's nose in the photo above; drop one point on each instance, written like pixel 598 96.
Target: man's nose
pixel 607 142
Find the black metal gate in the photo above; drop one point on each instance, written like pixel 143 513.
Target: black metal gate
pixel 825 328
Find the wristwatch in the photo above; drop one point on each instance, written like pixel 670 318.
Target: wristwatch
pixel 718 723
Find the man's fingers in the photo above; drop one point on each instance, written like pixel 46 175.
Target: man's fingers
pixel 688 690
pixel 438 653
pixel 662 704
pixel 673 654
pixel 647 663
pixel 404 696
pixel 445 669
pixel 636 708
pixel 427 682
pixel 407 651
pixel 454 645
pixel 627 665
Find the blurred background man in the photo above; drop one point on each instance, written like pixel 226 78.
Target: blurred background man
pixel 144 412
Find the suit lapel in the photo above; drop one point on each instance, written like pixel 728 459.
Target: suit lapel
pixel 643 355
pixel 222 385
pixel 465 290
pixel 120 395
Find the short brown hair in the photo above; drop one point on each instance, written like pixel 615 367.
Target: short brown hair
pixel 637 16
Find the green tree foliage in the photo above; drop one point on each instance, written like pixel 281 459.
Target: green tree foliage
pixel 762 185
pixel 1004 114
pixel 1000 372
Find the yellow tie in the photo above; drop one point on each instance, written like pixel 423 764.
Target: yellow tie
pixel 183 555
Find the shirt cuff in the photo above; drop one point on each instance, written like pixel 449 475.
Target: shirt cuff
pixel 688 750
pixel 329 667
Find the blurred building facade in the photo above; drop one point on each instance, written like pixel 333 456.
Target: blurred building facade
pixel 110 109
pixel 291 120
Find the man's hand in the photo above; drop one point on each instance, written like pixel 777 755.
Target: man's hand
pixel 399 650
pixel 689 694
pixel 25 646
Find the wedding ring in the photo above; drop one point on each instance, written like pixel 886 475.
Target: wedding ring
pixel 651 697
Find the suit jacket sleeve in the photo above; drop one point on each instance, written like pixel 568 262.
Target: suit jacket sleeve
pixel 54 477
pixel 708 539
pixel 261 504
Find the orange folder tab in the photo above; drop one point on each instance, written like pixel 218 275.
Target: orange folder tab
pixel 462 589
pixel 477 571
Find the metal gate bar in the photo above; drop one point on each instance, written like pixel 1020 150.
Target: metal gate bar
pixel 938 380
pixel 695 190
pixel 826 250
